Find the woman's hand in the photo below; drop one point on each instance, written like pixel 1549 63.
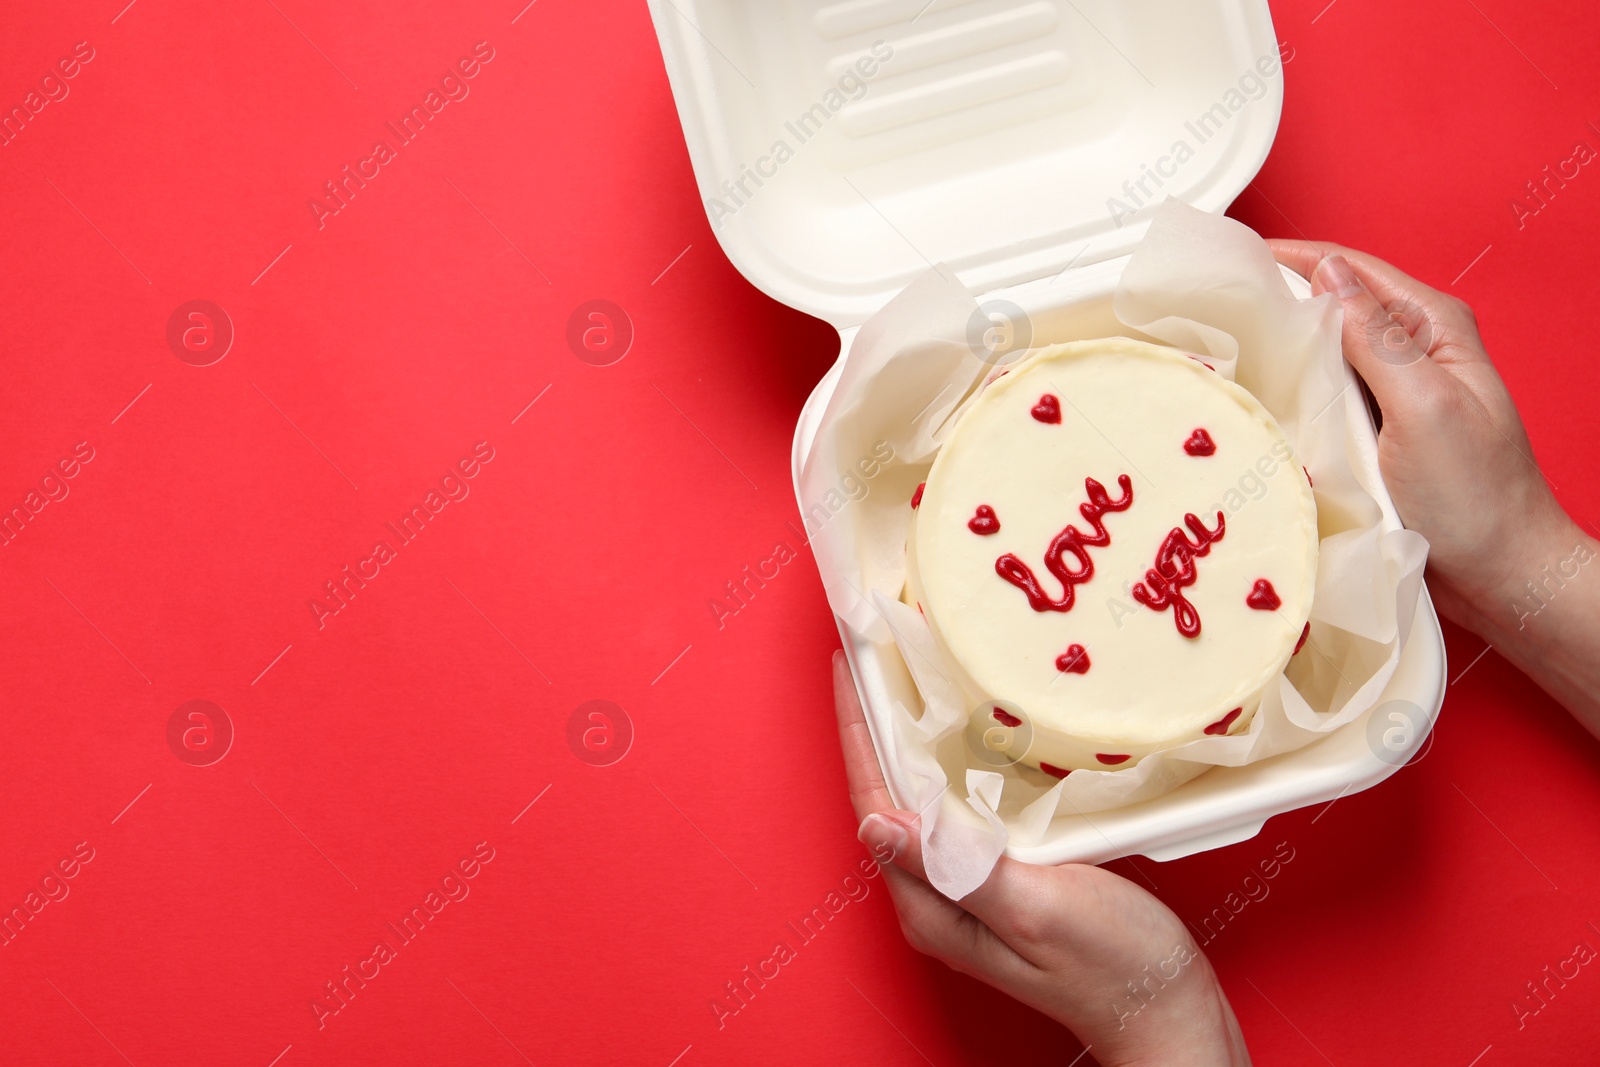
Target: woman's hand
pixel 1504 560
pixel 1089 949
pixel 1452 448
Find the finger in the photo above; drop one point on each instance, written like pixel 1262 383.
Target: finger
pixel 935 926
pixel 1376 341
pixel 932 923
pixel 1386 279
pixel 1014 893
pixel 868 792
pixel 1436 318
pixel 1016 901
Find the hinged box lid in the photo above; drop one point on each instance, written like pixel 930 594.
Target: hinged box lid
pixel 841 148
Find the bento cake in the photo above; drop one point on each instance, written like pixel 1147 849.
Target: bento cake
pixel 1117 548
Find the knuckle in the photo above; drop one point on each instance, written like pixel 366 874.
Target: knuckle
pixel 1030 929
pixel 956 966
pixel 916 938
pixel 1434 407
pixel 1366 316
pixel 1032 923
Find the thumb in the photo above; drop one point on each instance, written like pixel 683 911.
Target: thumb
pixel 1376 341
pixel 1014 894
pixel 893 838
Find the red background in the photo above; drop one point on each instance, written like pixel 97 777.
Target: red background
pixel 426 715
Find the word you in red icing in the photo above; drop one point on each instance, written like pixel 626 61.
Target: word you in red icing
pixel 1075 660
pixel 1263 597
pixel 1048 409
pixel 984 522
pixel 1070 541
pixel 1200 444
pixel 1163 586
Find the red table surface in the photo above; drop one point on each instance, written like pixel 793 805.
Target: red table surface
pixel 374 753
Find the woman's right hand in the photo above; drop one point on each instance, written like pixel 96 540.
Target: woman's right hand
pixel 1452 448
pixel 1504 559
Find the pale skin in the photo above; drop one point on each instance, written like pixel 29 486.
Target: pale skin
pixel 1067 940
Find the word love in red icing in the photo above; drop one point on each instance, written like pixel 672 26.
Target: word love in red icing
pixel 1163 587
pixel 1222 724
pixel 1200 444
pixel 984 522
pixel 1263 597
pixel 1071 541
pixel 1048 409
pixel 1075 660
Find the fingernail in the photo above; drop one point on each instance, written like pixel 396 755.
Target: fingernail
pixel 879 832
pixel 1336 276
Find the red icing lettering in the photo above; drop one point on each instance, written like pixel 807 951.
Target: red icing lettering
pixel 1048 409
pixel 1075 660
pixel 1222 724
pixel 1263 597
pixel 1200 444
pixel 1111 759
pixel 1070 541
pixel 984 522
pixel 1163 586
pixel 1054 771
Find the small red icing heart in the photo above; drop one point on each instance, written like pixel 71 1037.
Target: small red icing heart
pixel 1111 759
pixel 1222 724
pixel 916 498
pixel 1005 718
pixel 1075 660
pixel 1048 409
pixel 1200 444
pixel 1054 771
pixel 984 523
pixel 1263 597
pixel 1298 645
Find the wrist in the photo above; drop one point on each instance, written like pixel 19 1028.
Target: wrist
pixel 1197 1026
pixel 1543 592
pixel 1501 597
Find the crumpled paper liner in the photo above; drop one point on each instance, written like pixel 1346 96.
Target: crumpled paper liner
pixel 1202 283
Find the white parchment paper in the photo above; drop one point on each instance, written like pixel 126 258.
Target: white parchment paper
pixel 1202 283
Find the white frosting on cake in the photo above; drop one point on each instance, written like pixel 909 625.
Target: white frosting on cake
pixel 1126 411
